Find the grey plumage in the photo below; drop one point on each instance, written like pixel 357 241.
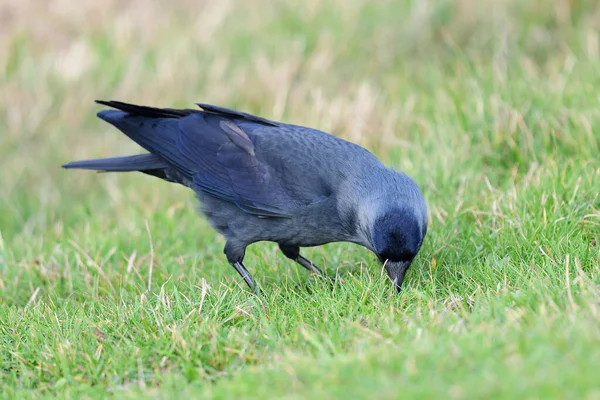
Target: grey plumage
pixel 260 180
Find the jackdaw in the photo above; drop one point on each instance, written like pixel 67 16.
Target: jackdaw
pixel 261 180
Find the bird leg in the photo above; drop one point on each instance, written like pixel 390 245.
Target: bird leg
pixel 239 267
pixel 306 263
pixel 293 253
pixel 235 256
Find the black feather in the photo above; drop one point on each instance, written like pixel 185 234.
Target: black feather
pixel 227 112
pixel 144 111
pixel 138 162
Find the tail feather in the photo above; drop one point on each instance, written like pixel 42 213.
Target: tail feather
pixel 145 111
pixel 141 162
pixel 148 164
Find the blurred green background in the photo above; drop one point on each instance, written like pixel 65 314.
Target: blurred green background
pixel 111 285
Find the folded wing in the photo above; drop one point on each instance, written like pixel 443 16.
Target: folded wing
pixel 218 157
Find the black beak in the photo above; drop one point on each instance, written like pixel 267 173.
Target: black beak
pixel 396 271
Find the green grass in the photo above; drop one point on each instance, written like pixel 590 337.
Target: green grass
pixel 113 286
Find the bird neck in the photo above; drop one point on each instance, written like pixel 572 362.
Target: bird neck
pixel 369 208
pixel 384 218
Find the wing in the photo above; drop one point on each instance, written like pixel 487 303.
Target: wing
pixel 223 153
pixel 232 167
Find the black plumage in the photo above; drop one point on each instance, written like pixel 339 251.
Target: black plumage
pixel 261 180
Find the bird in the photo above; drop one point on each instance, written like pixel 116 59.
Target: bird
pixel 260 180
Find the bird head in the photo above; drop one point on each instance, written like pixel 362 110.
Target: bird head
pixel 391 219
pixel 396 236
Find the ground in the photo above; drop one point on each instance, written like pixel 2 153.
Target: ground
pixel 111 285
